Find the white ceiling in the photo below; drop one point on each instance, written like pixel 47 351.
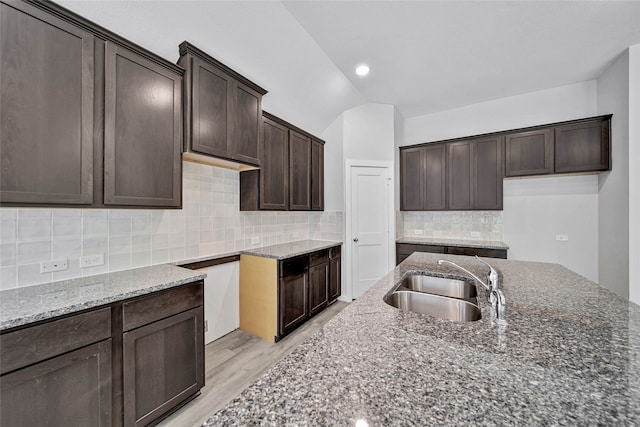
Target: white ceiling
pixel 428 56
pixel 425 56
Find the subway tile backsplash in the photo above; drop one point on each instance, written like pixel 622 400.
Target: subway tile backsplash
pixel 482 225
pixel 210 223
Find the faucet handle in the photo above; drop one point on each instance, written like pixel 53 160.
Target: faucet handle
pixel 492 276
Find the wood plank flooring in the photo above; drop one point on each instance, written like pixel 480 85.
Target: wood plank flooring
pixel 236 360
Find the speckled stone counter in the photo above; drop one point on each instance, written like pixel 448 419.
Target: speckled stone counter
pixel 467 243
pixel 570 355
pixel 288 250
pixel 29 304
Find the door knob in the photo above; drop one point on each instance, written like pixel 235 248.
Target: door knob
pixel 355 239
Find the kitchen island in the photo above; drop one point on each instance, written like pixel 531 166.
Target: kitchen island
pixel 570 355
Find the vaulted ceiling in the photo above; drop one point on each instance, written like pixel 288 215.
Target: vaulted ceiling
pixel 425 56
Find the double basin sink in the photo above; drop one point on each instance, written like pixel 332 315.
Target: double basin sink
pixel 451 299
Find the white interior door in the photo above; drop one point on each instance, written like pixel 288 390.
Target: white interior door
pixel 370 226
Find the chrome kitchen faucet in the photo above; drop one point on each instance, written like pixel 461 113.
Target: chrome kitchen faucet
pixel 494 294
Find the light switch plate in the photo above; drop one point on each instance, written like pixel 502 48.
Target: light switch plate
pixel 51 266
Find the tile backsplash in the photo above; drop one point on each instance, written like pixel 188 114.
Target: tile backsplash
pixel 209 223
pixel 483 225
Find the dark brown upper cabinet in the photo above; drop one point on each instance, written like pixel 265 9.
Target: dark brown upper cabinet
pixel 460 175
pixel 223 111
pixel 88 118
pixel 292 172
pixel 476 165
pixel 46 108
pixel 143 131
pixel 274 174
pixel 529 153
pixel 423 178
pixel 317 175
pixel 583 146
pixel 299 171
pixel 488 171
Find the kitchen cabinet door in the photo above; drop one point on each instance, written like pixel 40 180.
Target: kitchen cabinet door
pixel 247 117
pixel 318 281
pixel 163 365
pixel 529 153
pixel 435 174
pixel 412 179
pixel 46 108
pixel 292 296
pixel 583 146
pixel 210 109
pixel 460 157
pixel 488 173
pixel 143 131
pixel 299 171
pixel 274 174
pixel 73 389
pixel 317 175
pixel 335 274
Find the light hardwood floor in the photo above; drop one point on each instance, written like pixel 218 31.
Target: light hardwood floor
pixel 236 360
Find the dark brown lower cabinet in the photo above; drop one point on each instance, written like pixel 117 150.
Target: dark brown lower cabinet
pixel 143 355
pixel 73 389
pixel 403 250
pixel 335 272
pixel 162 365
pixel 318 281
pixel 293 288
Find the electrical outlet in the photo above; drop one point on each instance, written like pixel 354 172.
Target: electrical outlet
pixel 475 234
pixel 418 232
pixel 255 240
pixel 562 237
pixel 91 260
pixel 50 266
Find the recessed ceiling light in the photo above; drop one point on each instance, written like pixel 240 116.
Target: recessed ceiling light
pixel 362 70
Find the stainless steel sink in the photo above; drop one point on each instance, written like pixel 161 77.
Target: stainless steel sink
pixel 454 288
pixel 454 309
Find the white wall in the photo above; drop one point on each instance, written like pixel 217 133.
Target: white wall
pixel 334 165
pixel 538 209
pixel 535 108
pixel 613 203
pixel 534 240
pixel 634 174
pixel 259 39
pixel 369 132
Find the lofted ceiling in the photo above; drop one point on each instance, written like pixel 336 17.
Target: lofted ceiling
pixel 429 56
pixel 425 56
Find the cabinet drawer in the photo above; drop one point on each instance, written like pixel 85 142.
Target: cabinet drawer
pixel 161 304
pixel 408 249
pixel 319 257
pixel 490 253
pixel 37 343
pixel 335 252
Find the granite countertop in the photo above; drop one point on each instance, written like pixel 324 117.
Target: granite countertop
pixel 467 243
pixel 21 306
pixel 570 355
pixel 288 250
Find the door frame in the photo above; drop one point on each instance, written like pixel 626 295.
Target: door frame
pixel 347 294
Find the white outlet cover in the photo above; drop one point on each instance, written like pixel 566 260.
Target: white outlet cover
pixel 418 232
pixel 91 260
pixel 475 234
pixel 255 240
pixel 562 237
